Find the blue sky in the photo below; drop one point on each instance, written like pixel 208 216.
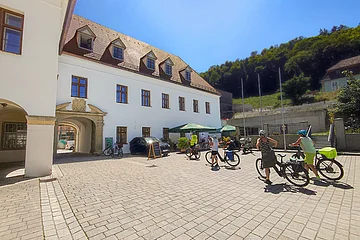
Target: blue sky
pixel 208 32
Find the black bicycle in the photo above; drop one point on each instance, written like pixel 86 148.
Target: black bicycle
pixel 327 167
pixel 193 152
pixel 293 171
pixel 230 157
pixel 111 152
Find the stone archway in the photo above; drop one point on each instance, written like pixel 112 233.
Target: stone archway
pixel 82 114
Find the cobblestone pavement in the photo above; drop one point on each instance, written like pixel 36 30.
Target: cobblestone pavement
pixel 176 198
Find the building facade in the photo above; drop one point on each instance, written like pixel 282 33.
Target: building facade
pixel 30 34
pixel 334 79
pixel 111 86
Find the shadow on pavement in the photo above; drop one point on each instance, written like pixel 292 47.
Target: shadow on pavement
pixel 11 173
pixel 283 187
pixel 336 184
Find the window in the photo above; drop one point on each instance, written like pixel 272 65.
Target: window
pixel 145 98
pixel 11 27
pixel 334 86
pixel 196 105
pixel 188 75
pixel 181 103
pixel 121 94
pixel 207 106
pixel 165 100
pixel 150 63
pixel 121 134
pixel 146 132
pixel 79 87
pixel 14 136
pixel 168 69
pixel 118 53
pixel 166 133
pixel 86 41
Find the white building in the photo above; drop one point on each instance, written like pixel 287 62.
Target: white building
pixel 103 84
pixel 30 34
pixel 111 85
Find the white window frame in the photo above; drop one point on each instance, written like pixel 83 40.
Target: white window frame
pixel 147 61
pixel 88 36
pixel 188 75
pixel 166 67
pixel 113 55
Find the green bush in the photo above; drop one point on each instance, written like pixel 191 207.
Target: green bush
pixel 183 143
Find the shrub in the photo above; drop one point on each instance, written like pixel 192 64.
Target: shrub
pixel 183 143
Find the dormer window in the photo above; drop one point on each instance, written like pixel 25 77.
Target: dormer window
pixel 167 66
pixel 150 64
pixel 188 75
pixel 118 53
pixel 168 69
pixel 117 48
pixel 86 41
pixel 86 38
pixel 150 60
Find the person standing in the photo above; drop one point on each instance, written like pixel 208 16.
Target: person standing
pixel 214 144
pixel 267 153
pixel 309 150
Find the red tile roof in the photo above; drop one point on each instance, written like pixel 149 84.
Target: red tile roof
pixel 345 63
pixel 135 50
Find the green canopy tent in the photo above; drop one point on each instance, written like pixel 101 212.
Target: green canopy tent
pixel 228 128
pixel 191 127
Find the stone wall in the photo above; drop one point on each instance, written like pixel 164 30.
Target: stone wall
pixel 352 142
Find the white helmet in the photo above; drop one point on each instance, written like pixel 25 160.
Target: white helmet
pixel 262 132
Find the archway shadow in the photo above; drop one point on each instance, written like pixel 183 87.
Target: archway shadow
pixel 11 173
pixel 283 187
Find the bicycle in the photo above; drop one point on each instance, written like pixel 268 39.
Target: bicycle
pixel 233 161
pixel 195 151
pixel 110 151
pixel 327 167
pixel 293 171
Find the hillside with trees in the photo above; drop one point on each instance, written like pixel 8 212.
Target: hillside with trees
pixel 302 60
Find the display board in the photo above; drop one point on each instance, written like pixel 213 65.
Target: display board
pixel 154 150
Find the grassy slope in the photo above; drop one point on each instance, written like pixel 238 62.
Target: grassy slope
pixel 274 99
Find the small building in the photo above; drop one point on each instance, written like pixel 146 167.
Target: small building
pixel 226 105
pixel 334 79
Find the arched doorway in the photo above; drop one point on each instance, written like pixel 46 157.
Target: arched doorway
pixel 13 132
pixel 87 121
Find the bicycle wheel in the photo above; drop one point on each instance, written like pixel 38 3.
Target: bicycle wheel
pixel 208 157
pixel 188 152
pixel 107 151
pixel 259 168
pixel 330 169
pixel 297 175
pixel 235 161
pixel 196 154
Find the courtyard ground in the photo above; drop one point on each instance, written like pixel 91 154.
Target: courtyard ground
pixel 174 198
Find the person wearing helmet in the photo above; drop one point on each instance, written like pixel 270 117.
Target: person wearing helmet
pixel 267 153
pixel 214 144
pixel 193 140
pixel 309 150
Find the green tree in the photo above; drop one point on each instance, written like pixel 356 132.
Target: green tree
pixel 349 97
pixel 296 87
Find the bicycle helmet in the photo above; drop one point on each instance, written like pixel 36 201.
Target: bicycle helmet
pixel 302 132
pixel 262 132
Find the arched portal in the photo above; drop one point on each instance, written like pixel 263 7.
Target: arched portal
pixel 13 132
pixel 88 121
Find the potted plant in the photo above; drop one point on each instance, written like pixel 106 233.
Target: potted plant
pixel 183 144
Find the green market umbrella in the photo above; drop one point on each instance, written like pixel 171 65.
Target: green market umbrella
pixel 228 128
pixel 191 127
